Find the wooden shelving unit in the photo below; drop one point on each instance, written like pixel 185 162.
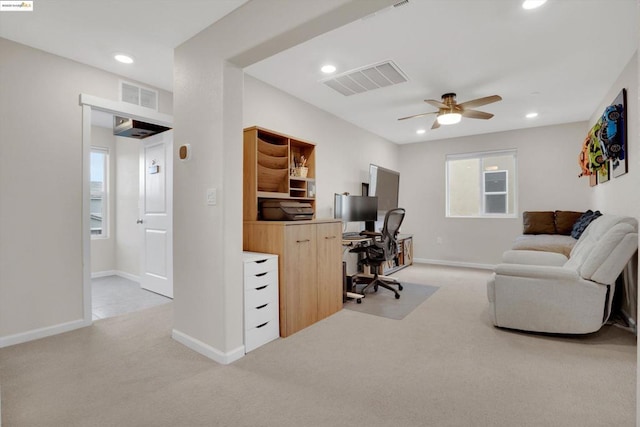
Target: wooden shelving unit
pixel 272 170
pixel 310 251
pixel 404 258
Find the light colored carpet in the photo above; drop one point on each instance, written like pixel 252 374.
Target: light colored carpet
pixel 384 303
pixel 442 365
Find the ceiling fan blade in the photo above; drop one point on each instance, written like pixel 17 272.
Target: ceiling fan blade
pixel 474 114
pixel 436 104
pixel 418 115
pixel 436 124
pixel 480 101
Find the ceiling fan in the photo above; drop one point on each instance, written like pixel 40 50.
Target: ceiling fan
pixel 450 112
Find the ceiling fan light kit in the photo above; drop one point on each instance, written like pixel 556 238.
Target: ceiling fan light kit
pixel 449 118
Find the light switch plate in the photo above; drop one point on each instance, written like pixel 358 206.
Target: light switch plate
pixel 212 197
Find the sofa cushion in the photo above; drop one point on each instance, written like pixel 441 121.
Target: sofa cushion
pixel 565 221
pixel 583 222
pixel 538 222
pixel 545 242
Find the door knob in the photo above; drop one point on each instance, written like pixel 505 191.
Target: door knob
pixel 139 221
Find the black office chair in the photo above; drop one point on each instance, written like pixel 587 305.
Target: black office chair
pixel 383 248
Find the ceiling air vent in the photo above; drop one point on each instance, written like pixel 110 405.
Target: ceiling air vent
pixel 401 3
pixel 366 78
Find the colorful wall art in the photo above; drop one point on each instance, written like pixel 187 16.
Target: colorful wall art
pixel 604 153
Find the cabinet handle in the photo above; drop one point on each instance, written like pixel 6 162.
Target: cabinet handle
pixel 262 306
pixel 303 241
pixel 261 274
pixel 260 261
pixel 260 326
pixel 330 237
pixel 261 288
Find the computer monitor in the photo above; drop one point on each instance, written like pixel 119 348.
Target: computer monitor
pixel 355 208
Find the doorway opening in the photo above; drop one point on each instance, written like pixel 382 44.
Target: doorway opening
pixel 127 208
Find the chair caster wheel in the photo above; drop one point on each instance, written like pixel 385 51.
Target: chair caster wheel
pixel 397 296
pixel 359 301
pixel 400 287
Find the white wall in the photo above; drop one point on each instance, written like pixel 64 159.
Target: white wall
pixel 41 167
pixel 547 180
pixel 620 195
pixel 127 188
pixel 343 150
pixel 103 249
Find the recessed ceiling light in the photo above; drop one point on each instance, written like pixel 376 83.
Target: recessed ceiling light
pixel 532 4
pixel 125 59
pixel 328 69
pixel 531 115
pixel 420 131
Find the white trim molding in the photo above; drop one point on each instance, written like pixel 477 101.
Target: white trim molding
pixel 454 263
pixel 48 331
pixel 118 273
pixel 206 350
pixel 134 112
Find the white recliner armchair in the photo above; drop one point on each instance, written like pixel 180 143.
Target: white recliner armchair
pixel 546 292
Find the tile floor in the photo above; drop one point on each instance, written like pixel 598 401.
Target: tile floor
pixel 115 295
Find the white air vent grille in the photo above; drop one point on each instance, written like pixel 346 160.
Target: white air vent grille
pixel 366 78
pixel 139 95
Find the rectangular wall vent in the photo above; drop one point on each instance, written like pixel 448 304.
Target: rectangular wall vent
pixel 401 3
pixel 366 78
pixel 138 95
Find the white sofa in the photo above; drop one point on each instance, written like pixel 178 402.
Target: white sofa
pixel 548 292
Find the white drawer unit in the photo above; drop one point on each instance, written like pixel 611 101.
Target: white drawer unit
pixel 261 311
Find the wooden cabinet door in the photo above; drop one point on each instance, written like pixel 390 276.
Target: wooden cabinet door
pixel 301 286
pixel 329 266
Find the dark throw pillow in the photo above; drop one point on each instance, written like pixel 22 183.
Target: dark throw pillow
pixel 565 221
pixel 538 222
pixel 583 222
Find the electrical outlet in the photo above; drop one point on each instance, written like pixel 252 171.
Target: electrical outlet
pixel 212 197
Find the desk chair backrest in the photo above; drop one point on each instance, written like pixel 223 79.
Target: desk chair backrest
pixel 392 222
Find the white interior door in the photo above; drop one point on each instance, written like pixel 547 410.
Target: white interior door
pixel 156 213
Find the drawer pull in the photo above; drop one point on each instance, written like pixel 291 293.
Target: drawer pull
pixel 262 306
pixel 261 274
pixel 261 288
pixel 303 241
pixel 330 237
pixel 260 261
pixel 260 326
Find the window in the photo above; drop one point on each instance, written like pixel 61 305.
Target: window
pixel 481 184
pixel 99 191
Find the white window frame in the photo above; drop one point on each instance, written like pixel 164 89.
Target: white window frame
pixel 479 155
pixel 486 193
pixel 105 195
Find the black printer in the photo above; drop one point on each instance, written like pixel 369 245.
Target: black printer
pixel 280 210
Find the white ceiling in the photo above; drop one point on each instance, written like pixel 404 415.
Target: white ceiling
pixel 558 60
pixel 92 31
